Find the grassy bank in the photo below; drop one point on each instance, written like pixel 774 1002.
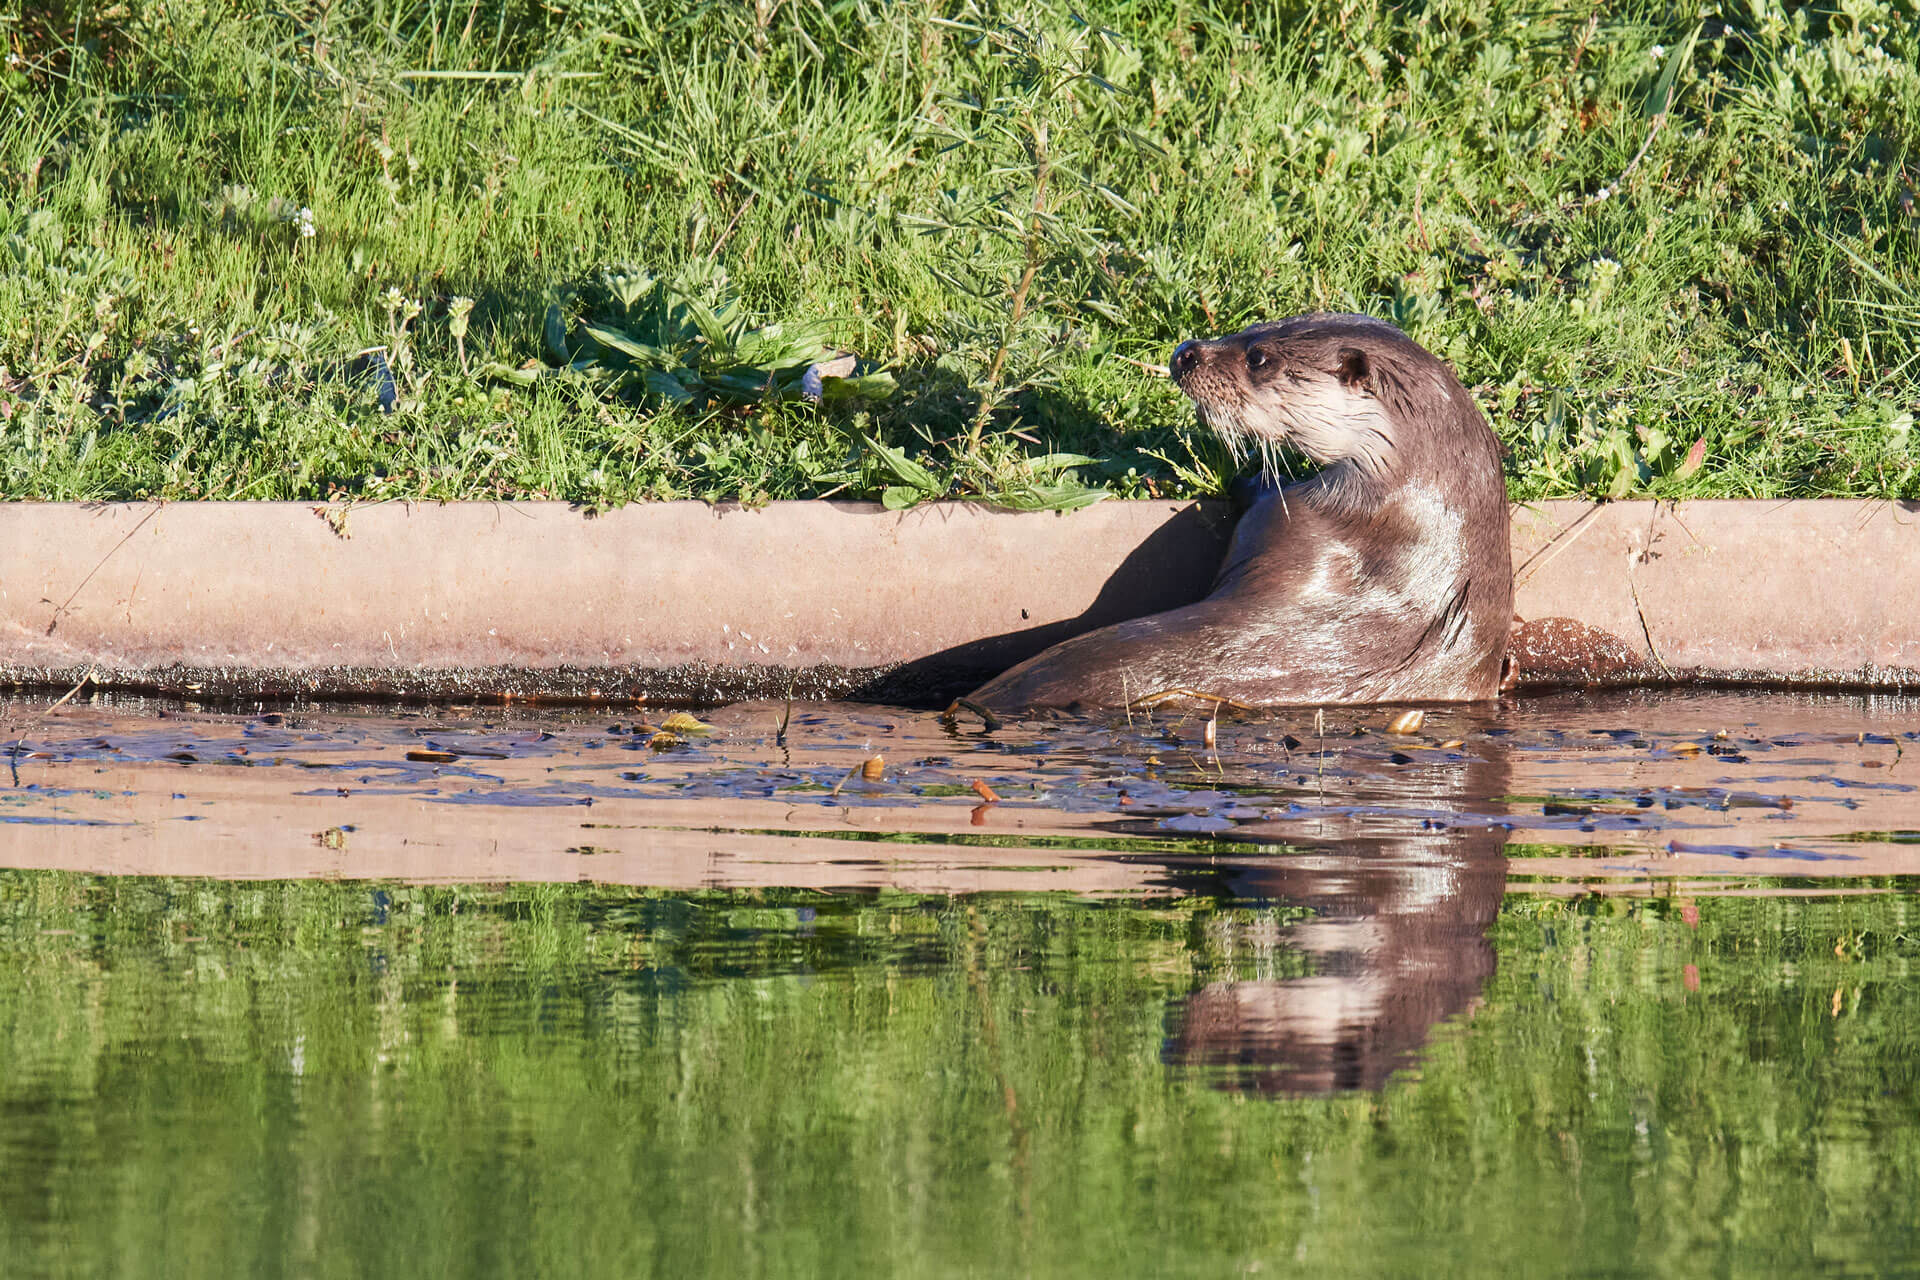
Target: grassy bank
pixel 481 248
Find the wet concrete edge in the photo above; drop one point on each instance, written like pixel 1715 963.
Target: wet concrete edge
pixel 683 602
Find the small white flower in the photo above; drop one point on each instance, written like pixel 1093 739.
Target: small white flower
pixel 1658 52
pixel 304 219
pixel 1603 193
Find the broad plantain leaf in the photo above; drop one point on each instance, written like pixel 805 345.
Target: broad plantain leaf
pixel 897 497
pixel 905 469
pixel 500 372
pixel 1046 497
pixel 667 387
pixel 1047 463
pixel 556 331
pixel 639 352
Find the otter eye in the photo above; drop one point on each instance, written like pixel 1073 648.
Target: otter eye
pixel 1258 359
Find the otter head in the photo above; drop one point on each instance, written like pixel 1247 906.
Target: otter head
pixel 1336 388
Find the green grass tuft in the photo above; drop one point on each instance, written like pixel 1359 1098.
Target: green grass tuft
pixel 1673 256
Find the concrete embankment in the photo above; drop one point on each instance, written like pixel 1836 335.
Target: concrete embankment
pixel 686 602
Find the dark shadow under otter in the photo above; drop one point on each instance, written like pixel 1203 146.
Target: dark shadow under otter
pixel 1175 566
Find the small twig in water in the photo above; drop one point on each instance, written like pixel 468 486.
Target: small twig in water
pixel 988 720
pixel 1320 757
pixel 13 757
pixel 1147 702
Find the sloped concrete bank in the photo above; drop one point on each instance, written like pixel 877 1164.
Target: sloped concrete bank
pixel 686 602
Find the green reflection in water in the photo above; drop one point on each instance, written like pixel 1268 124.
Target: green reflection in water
pixel 345 1079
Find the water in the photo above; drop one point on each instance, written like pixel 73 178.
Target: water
pixel 1589 985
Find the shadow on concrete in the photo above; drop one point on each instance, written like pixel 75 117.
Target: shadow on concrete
pixel 1175 566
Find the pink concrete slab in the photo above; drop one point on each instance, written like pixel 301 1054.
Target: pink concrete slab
pixel 683 600
pixel 1821 592
pixel 692 600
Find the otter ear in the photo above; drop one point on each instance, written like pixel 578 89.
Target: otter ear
pixel 1353 371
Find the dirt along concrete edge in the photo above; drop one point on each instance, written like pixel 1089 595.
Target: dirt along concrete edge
pixel 684 602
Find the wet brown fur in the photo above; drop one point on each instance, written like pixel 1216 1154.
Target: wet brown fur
pixel 1384 577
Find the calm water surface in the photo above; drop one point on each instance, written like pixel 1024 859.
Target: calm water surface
pixel 1588 985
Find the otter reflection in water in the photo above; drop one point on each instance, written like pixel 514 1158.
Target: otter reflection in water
pixel 1396 942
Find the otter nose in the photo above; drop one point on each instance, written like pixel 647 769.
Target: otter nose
pixel 1186 357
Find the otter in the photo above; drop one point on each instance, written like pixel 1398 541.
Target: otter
pixel 1386 576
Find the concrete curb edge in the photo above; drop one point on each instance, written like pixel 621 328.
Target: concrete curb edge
pixel 687 602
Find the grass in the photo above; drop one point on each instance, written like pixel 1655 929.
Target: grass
pixel 488 249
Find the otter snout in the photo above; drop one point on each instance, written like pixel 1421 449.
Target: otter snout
pixel 1212 373
pixel 1205 372
pixel 1186 358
